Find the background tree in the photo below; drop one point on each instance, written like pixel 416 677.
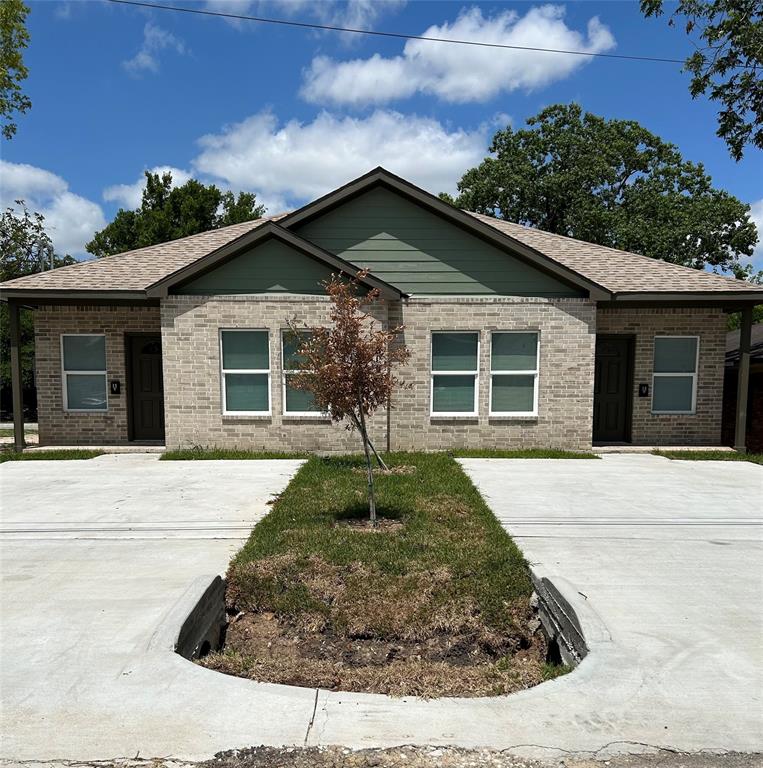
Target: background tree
pixel 347 366
pixel 610 182
pixel 729 64
pixel 14 38
pixel 25 248
pixel 167 213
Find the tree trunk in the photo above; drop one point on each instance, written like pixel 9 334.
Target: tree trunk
pixel 361 429
pixel 378 458
pixel 369 470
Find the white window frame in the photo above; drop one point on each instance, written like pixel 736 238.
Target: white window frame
pixel 300 414
pixel 65 374
pixel 224 371
pixel 535 373
pixel 683 374
pixel 432 373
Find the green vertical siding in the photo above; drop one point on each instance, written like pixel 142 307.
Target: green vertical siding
pixel 270 267
pixel 421 253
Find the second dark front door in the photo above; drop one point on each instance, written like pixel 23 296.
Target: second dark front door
pixel 145 389
pixel 611 392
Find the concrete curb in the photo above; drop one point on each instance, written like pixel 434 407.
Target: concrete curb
pixel 195 624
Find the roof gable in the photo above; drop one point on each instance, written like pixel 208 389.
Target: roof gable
pixel 422 253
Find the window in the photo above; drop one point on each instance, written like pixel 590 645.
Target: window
pixel 83 362
pixel 674 382
pixel 296 402
pixel 455 370
pixel 245 360
pixel 514 373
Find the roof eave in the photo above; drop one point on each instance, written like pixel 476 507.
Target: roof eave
pixel 41 294
pixel 673 297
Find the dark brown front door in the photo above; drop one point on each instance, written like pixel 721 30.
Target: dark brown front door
pixel 144 389
pixel 611 391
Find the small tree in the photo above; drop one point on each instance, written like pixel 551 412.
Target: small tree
pixel 347 366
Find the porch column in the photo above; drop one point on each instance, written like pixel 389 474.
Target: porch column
pixel 743 381
pixel 18 406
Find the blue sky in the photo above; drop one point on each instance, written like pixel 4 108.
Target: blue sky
pixel 291 114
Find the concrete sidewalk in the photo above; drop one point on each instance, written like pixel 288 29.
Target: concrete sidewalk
pixel 661 559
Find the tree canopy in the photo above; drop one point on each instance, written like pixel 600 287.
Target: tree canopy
pixel 348 366
pixel 727 65
pixel 14 38
pixel 610 182
pixel 167 213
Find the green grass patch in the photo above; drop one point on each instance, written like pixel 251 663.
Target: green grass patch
pixel 755 458
pixel 433 602
pixel 51 455
pixel 528 453
pixel 218 454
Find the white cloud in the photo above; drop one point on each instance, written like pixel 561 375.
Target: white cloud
pixel 155 40
pixel 293 162
pixel 461 73
pixel 130 195
pixel 356 14
pixel 756 214
pixel 70 220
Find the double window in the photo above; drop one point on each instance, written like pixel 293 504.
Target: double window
pixel 455 373
pixel 245 361
pixel 296 402
pixel 674 381
pixel 83 362
pixel 514 373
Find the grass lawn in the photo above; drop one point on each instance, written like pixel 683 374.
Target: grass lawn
pixel 216 454
pixel 51 455
pixel 434 602
pixel 528 453
pixel 755 458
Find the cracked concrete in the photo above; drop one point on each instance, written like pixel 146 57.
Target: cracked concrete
pixel 672 618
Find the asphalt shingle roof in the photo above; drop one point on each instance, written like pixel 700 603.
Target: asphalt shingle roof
pixel 616 271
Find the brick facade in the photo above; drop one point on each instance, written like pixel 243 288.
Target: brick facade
pixel 192 382
pixel 57 426
pixel 702 427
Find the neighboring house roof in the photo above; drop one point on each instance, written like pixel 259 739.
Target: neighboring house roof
pixel 606 272
pixel 756 344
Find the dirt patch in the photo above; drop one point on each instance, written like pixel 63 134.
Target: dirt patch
pixel 358 631
pixel 398 469
pixel 383 525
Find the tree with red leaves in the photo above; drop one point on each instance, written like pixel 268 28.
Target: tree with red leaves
pixel 347 366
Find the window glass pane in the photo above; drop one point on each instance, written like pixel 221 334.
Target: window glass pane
pixel 299 400
pixel 514 352
pixel 513 394
pixel 291 361
pixel 454 352
pixel 245 350
pixel 84 353
pixel 672 393
pixel 246 391
pixel 675 355
pixel 86 392
pixel 453 394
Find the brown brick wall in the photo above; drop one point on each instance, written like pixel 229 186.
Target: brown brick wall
pixel 190 326
pixel 59 427
pixel 565 394
pixel 702 427
pixel 192 381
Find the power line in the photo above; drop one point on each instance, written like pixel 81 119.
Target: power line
pixel 379 33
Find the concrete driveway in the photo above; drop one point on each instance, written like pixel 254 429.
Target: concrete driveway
pixel 93 555
pixel 662 561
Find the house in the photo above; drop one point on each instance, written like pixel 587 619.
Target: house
pixel 519 337
pixel 755 397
